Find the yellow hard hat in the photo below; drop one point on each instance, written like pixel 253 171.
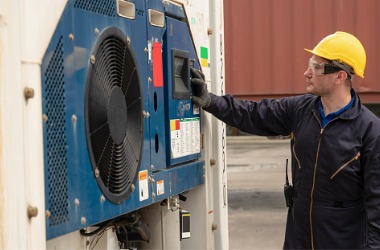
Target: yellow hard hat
pixel 343 48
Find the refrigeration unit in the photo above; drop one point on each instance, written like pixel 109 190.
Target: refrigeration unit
pixel 120 131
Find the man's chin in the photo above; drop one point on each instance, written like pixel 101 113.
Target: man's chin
pixel 309 90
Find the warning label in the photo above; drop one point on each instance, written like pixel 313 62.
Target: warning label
pixel 184 137
pixel 143 185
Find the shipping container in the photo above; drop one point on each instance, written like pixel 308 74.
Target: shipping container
pixel 265 41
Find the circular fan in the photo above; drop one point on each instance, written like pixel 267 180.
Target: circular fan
pixel 113 111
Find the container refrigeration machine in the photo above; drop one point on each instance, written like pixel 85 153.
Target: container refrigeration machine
pixel 113 151
pixel 120 130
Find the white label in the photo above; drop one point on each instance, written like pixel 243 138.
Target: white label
pixel 143 185
pixel 185 137
pixel 160 187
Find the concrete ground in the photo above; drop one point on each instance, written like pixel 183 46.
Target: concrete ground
pixel 256 177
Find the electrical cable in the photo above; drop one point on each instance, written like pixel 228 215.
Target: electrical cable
pixel 96 231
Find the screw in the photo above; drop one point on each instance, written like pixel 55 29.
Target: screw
pixel 73 118
pixel 44 118
pixel 152 167
pixel 133 187
pixel 96 31
pixel 212 162
pixel 47 213
pixel 83 220
pixel 92 59
pixel 146 114
pixel 102 198
pixel 71 37
pixel 146 50
pixel 149 79
pixel 97 172
pixel 32 211
pixel 214 227
pixel 128 40
pixel 28 93
pixel 209 31
pixel 76 202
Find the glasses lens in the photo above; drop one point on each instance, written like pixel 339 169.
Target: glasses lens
pixel 316 67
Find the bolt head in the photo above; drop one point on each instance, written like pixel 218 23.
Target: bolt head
pixel 32 211
pixel 102 199
pixel 28 93
pixel 97 173
pixel 92 59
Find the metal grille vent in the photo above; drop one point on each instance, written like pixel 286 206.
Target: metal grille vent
pixel 114 120
pixel 56 138
pixel 104 7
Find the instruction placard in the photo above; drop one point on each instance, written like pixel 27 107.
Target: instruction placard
pixel 185 137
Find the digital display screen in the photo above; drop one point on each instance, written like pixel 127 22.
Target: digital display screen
pixel 181 74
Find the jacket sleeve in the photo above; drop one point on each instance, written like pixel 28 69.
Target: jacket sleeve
pixel 268 117
pixel 371 158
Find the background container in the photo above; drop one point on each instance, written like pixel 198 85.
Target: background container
pixel 265 41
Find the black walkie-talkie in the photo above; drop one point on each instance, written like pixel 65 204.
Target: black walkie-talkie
pixel 288 189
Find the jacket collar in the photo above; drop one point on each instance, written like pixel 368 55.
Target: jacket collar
pixel 351 113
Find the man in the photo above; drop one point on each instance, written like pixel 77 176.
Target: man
pixel 335 146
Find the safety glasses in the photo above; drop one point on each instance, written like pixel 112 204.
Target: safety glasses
pixel 322 68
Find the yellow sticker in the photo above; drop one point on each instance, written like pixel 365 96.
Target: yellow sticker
pixel 204 62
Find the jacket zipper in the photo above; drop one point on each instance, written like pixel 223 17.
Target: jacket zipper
pixel 353 159
pixel 312 192
pixel 294 152
pixel 313 184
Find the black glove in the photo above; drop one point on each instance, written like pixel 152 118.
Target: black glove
pixel 201 96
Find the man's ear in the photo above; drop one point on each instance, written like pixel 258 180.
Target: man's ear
pixel 341 76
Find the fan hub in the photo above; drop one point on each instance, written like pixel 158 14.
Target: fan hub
pixel 117 115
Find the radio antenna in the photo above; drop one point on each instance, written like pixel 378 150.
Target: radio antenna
pixel 286 169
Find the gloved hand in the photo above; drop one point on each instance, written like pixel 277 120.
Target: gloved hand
pixel 201 96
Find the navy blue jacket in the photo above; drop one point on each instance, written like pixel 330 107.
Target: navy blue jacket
pixel 335 169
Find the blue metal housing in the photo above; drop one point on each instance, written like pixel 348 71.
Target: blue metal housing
pixel 73 197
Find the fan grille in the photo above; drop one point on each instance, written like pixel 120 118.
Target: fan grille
pixel 104 7
pixel 114 115
pixel 56 138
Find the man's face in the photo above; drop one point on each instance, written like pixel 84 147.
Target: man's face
pixel 318 83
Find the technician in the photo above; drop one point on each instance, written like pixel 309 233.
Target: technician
pixel 335 146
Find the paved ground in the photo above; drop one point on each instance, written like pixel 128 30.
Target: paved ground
pixel 256 176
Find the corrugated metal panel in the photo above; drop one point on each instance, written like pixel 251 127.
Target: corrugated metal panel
pixel 265 41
